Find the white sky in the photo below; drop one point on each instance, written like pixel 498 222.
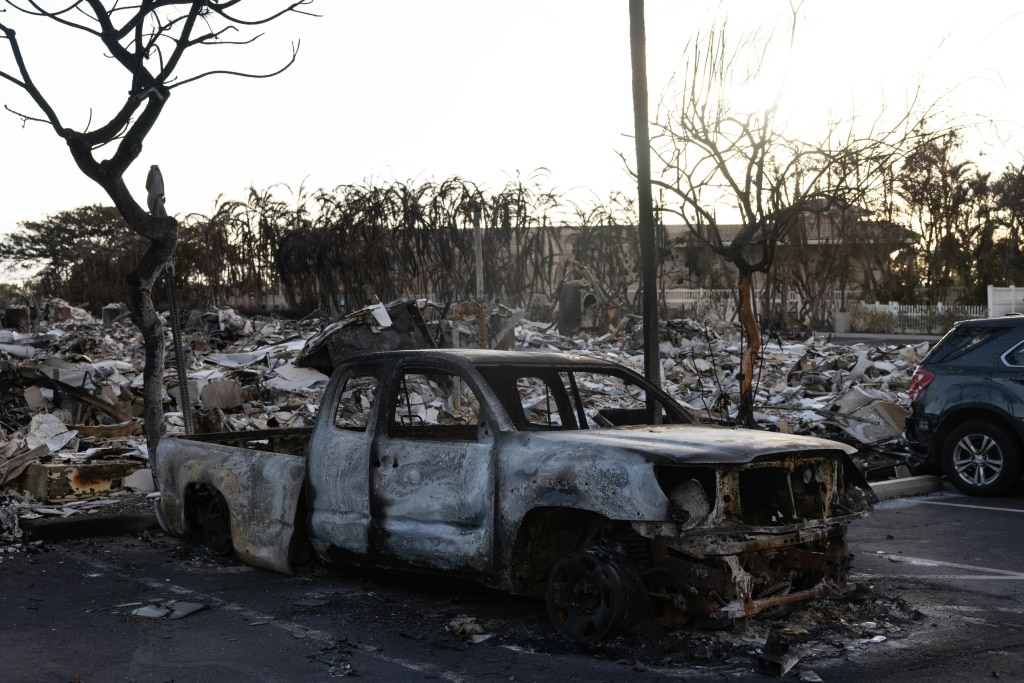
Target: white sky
pixel 414 91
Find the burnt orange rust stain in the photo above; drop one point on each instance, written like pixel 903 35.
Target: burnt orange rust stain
pixel 97 477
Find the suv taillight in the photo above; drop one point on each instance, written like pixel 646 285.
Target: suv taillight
pixel 919 382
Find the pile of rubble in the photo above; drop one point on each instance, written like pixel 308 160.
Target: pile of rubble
pixel 856 394
pixel 71 386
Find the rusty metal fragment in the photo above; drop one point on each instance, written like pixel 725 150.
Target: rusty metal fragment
pixel 779 656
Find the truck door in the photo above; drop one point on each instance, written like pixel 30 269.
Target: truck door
pixel 337 476
pixel 432 476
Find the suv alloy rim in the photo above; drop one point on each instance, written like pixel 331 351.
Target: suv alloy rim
pixel 978 460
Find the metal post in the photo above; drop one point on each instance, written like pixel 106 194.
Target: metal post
pixel 648 245
pixel 472 207
pixel 842 261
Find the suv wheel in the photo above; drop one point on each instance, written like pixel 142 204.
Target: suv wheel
pixel 981 459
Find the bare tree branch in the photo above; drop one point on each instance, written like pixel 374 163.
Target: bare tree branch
pixel 716 155
pixel 148 39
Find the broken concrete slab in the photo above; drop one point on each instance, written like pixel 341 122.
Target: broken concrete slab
pixel 56 481
pixel 224 394
pixel 907 486
pixel 48 430
pixel 82 526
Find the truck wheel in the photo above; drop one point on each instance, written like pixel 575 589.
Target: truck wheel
pixel 593 594
pixel 217 525
pixel 981 459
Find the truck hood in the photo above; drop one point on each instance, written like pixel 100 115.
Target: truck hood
pixel 690 444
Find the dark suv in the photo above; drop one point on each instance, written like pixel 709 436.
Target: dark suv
pixel 967 405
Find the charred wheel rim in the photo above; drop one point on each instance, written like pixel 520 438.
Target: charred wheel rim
pixel 586 597
pixel 217 525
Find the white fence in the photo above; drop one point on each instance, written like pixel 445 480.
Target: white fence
pixel 881 318
pixel 894 318
pixel 1005 300
pixel 717 304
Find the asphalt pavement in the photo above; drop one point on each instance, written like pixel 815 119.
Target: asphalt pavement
pixel 937 596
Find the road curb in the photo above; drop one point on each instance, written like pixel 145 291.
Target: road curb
pixel 63 528
pixel 907 486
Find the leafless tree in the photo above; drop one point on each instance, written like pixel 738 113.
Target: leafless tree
pixel 148 39
pixel 711 156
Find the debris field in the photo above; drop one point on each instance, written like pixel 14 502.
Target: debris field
pixel 71 439
pixel 72 445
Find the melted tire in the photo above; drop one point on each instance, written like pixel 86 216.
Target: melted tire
pixel 217 525
pixel 593 594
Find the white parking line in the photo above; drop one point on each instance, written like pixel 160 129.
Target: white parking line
pixel 292 628
pixel 971 507
pixel 981 573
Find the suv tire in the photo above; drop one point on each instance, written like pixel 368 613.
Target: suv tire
pixel 981 459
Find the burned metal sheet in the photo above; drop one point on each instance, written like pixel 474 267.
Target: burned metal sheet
pixel 398 325
pixel 262 491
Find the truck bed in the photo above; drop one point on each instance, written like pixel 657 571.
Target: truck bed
pixel 288 440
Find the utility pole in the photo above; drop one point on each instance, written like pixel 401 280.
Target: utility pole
pixel 472 209
pixel 648 245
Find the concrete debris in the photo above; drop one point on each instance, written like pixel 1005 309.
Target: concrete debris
pixel 70 384
pixel 173 609
pixel 466 625
pixel 49 431
pixel 10 531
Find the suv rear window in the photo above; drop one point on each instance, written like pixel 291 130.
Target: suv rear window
pixel 964 339
pixel 1014 356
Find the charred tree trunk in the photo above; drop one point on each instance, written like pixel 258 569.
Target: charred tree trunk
pixel 145 316
pixel 148 40
pixel 162 234
pixel 752 332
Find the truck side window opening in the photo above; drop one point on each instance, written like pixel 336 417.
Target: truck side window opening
pixel 539 407
pixel 435 405
pixel 356 403
pixel 608 400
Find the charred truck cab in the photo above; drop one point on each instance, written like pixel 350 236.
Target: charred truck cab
pixel 541 474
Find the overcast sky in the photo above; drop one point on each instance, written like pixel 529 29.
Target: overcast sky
pixel 413 91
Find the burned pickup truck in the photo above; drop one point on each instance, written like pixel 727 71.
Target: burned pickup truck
pixel 537 473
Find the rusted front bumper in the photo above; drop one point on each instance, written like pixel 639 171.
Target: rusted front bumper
pixel 726 575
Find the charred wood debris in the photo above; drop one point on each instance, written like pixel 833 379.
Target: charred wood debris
pixel 71 438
